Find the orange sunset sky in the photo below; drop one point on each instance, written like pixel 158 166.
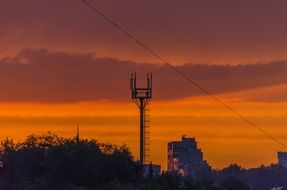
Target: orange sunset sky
pixel 61 65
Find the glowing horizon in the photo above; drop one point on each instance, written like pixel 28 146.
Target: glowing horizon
pixel 223 138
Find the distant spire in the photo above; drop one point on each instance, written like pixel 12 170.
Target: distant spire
pixel 78 133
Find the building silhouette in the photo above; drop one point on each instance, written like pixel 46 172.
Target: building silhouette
pixel 185 158
pixel 282 159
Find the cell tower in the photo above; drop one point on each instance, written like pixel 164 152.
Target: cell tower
pixel 142 96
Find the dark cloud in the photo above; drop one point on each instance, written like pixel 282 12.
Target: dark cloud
pixel 43 76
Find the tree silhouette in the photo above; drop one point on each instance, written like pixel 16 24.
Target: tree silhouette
pixel 54 160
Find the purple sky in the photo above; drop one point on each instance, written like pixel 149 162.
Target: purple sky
pixel 206 31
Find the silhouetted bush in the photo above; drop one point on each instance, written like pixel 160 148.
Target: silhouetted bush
pixel 50 160
pixel 234 184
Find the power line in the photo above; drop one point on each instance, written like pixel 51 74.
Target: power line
pixel 183 75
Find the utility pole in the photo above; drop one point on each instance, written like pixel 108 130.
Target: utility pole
pixel 142 96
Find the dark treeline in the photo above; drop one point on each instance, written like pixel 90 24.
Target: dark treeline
pixel 49 162
pixel 261 178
